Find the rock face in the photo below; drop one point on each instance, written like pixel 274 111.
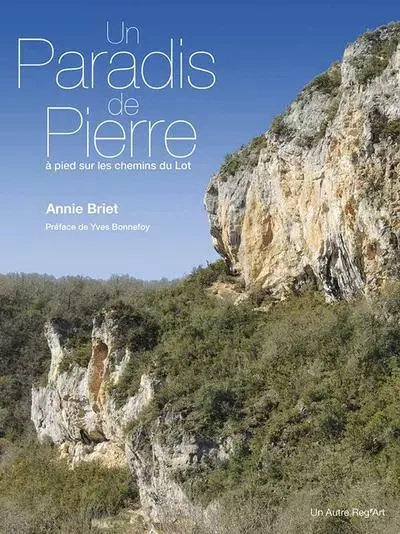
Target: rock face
pixel 78 412
pixel 160 467
pixel 75 410
pixel 317 198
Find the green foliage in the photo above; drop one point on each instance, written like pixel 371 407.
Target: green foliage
pixel 280 128
pixel 202 278
pixel 392 129
pixel 245 158
pixel 311 140
pixel 157 317
pixel 380 49
pixel 230 166
pixel 328 82
pixel 332 422
pixel 216 403
pixel 307 391
pixel 332 109
pixel 135 330
pixel 40 493
pixel 79 347
pixel 382 128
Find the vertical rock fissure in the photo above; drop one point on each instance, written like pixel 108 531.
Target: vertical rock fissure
pixel 96 376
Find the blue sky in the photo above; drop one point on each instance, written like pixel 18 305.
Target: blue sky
pixel 265 53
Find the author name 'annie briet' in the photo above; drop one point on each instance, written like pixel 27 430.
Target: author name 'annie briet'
pixel 90 208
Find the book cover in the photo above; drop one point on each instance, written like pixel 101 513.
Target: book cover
pixel 199 298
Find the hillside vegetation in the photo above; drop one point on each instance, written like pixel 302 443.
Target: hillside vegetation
pixel 309 392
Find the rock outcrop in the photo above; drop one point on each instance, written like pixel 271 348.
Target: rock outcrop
pixel 317 198
pixel 78 411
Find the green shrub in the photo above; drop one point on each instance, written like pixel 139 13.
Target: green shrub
pixel 380 51
pixel 280 128
pixel 217 403
pixel 245 158
pixel 79 351
pixel 328 82
pixel 392 129
pixel 40 493
pixel 332 422
pixel 230 166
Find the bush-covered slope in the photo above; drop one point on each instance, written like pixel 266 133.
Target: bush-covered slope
pixel 39 493
pixel 308 392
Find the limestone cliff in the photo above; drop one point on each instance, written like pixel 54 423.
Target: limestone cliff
pixel 77 411
pixel 317 198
